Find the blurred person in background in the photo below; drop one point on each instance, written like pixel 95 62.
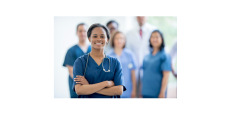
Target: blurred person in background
pixel 112 26
pixel 156 68
pixel 138 42
pixel 173 54
pixel 76 51
pixel 98 75
pixel 128 63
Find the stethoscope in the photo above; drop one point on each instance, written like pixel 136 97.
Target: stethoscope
pixel 102 64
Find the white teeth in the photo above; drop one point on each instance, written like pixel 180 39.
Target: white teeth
pixel 98 43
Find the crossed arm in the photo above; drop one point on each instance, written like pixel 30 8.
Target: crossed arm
pixel 106 87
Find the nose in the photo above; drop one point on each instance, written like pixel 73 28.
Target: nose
pixel 99 39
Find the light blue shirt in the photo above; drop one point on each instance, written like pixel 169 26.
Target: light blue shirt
pixel 128 63
pixel 153 67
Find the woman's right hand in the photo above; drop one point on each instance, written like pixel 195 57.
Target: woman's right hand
pixel 110 84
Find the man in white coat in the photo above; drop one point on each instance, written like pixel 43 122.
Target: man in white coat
pixel 138 42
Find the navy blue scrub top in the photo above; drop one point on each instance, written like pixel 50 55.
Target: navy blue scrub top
pixel 72 54
pixel 95 74
pixel 153 67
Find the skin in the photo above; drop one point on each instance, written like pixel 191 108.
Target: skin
pixel 98 41
pixel 141 20
pixel 82 35
pixel 119 42
pixel 156 42
pixel 112 27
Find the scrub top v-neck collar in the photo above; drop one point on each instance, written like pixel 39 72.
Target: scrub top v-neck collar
pixel 82 50
pixel 117 54
pixel 98 66
pixel 155 54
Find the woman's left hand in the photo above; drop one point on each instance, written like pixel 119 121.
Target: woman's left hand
pixel 161 95
pixel 81 80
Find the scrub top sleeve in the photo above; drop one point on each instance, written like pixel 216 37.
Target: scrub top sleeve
pixel 69 58
pixel 118 76
pixel 77 70
pixel 166 64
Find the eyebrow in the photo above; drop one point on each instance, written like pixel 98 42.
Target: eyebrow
pixel 96 34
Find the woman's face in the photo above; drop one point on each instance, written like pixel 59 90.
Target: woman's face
pixel 156 40
pixel 119 40
pixel 98 38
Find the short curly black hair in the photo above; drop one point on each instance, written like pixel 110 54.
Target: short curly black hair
pixel 89 32
pixel 162 38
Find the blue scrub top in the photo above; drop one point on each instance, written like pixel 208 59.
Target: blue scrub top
pixel 153 67
pixel 72 54
pixel 128 63
pixel 95 74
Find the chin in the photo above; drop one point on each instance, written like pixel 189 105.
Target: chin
pixel 98 48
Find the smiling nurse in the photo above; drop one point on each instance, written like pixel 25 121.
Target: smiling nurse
pixel 98 75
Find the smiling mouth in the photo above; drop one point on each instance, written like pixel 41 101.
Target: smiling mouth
pixel 98 43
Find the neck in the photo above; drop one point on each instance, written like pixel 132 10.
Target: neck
pixel 141 25
pixel 118 50
pixel 82 43
pixel 155 50
pixel 97 53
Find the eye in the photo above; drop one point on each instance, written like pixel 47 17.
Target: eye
pixel 95 36
pixel 102 36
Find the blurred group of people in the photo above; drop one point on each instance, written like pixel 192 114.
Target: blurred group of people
pixel 145 64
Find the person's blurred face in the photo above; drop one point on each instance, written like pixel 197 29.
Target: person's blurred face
pixel 112 27
pixel 141 20
pixel 156 40
pixel 98 38
pixel 119 40
pixel 82 32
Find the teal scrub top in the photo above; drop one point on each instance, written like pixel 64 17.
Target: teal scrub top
pixel 72 54
pixel 153 67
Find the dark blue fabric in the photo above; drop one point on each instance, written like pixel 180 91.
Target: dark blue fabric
pixel 72 54
pixel 95 74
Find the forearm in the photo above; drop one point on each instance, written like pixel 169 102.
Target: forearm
pixel 164 84
pixel 111 91
pixel 70 69
pixel 133 80
pixel 90 88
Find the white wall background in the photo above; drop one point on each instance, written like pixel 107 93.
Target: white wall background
pixel 65 37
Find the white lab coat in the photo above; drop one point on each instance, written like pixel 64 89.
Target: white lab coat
pixel 173 54
pixel 140 46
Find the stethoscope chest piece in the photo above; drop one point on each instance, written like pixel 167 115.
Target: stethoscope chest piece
pixel 106 71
